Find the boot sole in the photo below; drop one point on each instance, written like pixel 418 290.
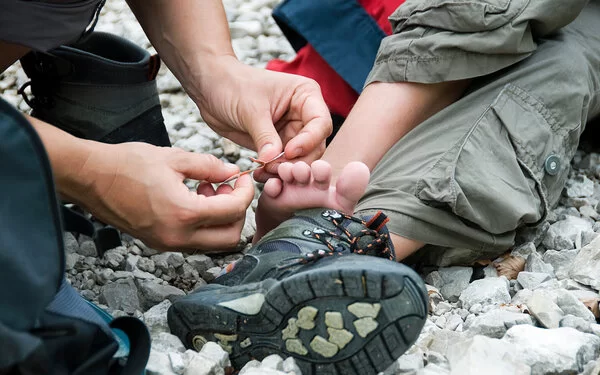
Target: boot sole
pixel 332 321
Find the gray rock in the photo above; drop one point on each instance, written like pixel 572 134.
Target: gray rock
pixel 442 308
pixel 577 323
pixel 159 364
pixel 535 263
pixel 553 351
pixel 532 234
pixel 146 251
pixel 167 260
pixel 440 342
pixel 122 275
pixel 450 281
pixel 563 233
pixel 188 273
pixel 87 248
pixel 530 280
pixel 131 262
pixel 488 291
pixel 408 363
pixel 580 186
pixel 571 305
pixel 216 353
pixel 290 366
pixel 104 276
pixel 524 250
pixel 440 321
pixel 71 260
pixel 240 29
pixel 153 293
pixel 560 261
pixel 483 355
pixel 585 268
pixel 166 342
pixel 543 308
pixel 495 323
pixel 273 362
pixel 177 362
pixel 587 236
pixel 156 318
pixel 250 366
pixel 133 249
pixel 121 295
pixel 200 262
pixel 249 228
pixel 146 264
pixel 433 369
pixel 591 368
pixel 115 259
pixel 211 274
pixel 453 322
pixel 590 212
pixel 71 244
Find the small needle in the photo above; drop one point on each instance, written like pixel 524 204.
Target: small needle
pixel 261 164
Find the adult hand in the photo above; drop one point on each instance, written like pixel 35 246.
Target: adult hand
pixel 140 189
pixel 265 111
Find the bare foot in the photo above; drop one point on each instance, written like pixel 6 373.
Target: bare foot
pixel 302 186
pixel 510 267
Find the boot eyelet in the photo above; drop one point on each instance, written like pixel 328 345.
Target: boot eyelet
pixel 307 233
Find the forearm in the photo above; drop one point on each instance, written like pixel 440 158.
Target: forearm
pixel 68 157
pixel 383 114
pixel 188 35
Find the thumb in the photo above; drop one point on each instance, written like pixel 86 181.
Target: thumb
pixel 202 167
pixel 265 137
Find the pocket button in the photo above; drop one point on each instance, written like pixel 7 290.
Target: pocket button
pixel 552 165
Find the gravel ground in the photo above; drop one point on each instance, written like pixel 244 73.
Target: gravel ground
pixel 535 324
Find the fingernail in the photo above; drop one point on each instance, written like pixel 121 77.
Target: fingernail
pixel 297 152
pixel 231 166
pixel 266 148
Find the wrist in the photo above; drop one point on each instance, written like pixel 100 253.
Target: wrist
pixel 213 69
pixel 81 183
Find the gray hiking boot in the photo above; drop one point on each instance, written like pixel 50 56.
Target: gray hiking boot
pixel 101 88
pixel 307 290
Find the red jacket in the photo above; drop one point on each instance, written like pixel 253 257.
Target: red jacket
pixel 336 43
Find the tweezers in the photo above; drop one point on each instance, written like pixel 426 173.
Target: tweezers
pixel 261 164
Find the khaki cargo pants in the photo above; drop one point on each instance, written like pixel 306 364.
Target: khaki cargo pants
pixel 498 158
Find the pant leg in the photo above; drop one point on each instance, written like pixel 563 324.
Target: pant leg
pixel 498 158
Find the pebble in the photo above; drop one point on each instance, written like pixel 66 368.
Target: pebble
pixel 475 326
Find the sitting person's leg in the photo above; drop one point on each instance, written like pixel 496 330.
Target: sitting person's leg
pixel 495 160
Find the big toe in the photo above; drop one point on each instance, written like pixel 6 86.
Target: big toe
pixel 352 182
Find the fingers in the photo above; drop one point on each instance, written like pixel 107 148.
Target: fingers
pixel 265 136
pixel 202 166
pixel 206 189
pixel 316 118
pixel 227 206
pixel 224 237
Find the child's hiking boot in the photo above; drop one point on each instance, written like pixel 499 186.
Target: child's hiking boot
pixel 306 291
pixel 101 88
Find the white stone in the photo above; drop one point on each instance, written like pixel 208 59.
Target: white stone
pixel 156 318
pixel 553 351
pixel 488 291
pixel 159 364
pixel 483 355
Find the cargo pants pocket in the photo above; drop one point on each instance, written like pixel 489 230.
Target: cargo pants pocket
pixel 508 169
